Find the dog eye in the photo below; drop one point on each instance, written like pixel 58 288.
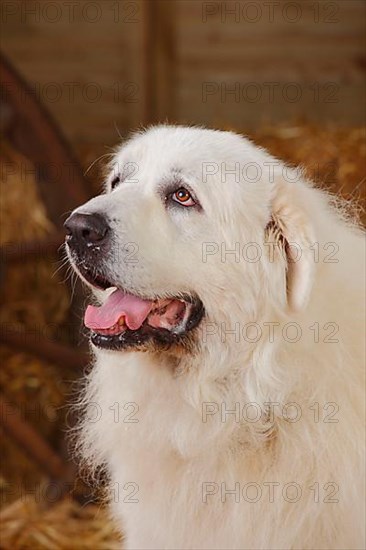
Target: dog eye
pixel 183 197
pixel 115 181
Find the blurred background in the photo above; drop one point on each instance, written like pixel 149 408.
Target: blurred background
pixel 76 78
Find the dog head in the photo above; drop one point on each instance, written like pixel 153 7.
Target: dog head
pixel 196 227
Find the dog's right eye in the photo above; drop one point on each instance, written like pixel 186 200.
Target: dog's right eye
pixel 183 196
pixel 115 181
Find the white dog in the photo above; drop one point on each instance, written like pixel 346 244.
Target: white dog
pixel 226 402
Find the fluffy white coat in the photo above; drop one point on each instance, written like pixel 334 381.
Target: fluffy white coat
pixel 256 439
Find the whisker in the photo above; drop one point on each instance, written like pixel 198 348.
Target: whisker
pixel 67 213
pixel 113 149
pixel 97 160
pixel 62 245
pixel 68 275
pixel 61 265
pixel 117 130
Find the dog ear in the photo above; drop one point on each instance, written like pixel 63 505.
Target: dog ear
pixel 291 231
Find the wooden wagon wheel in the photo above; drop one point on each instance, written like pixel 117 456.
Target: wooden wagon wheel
pixel 30 129
pixel 34 133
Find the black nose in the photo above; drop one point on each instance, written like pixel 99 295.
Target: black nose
pixel 87 229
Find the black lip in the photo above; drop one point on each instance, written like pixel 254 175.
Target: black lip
pixel 159 338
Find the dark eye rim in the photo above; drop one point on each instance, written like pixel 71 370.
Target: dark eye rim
pixel 115 181
pixel 174 203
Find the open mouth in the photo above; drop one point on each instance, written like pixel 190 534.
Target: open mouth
pixel 126 320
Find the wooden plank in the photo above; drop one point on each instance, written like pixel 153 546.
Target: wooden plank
pixel 165 49
pixel 160 61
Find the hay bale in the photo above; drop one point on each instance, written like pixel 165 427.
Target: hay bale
pixel 33 300
pixel 27 524
pixel 334 158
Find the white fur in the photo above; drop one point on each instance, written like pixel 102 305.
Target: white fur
pixel 171 454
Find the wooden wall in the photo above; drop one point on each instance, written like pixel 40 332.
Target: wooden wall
pixel 97 65
pixel 278 59
pixel 89 74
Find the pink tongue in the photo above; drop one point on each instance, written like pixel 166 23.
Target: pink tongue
pixel 117 304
